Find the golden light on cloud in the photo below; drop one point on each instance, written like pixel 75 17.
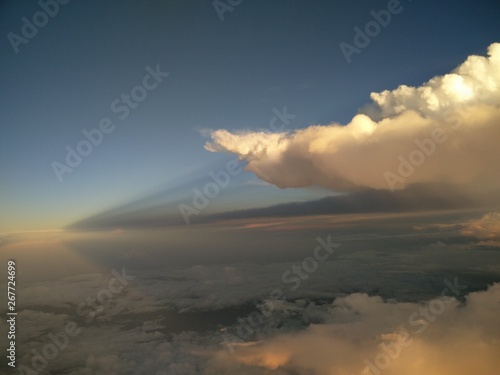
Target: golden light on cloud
pixel 269 360
pixel 445 131
pixel 367 336
pixel 486 228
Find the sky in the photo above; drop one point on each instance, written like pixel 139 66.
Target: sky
pixel 250 187
pixel 230 74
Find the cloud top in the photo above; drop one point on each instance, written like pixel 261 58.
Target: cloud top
pixel 361 334
pixel 443 131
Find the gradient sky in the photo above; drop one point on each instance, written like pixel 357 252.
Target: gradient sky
pixel 230 75
pixel 356 260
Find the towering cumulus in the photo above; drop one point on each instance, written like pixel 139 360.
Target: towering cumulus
pixel 446 130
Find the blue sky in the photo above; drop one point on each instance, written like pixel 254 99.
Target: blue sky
pixel 230 74
pixel 372 211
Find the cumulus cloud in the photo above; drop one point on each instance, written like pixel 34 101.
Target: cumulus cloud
pixel 365 335
pixel 169 320
pixel 485 228
pixel 474 82
pixel 443 131
pixel 305 337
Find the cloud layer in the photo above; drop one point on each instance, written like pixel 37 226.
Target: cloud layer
pixel 488 227
pixel 362 334
pixel 170 318
pixel 446 130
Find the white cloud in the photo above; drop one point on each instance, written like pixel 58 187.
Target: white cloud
pixel 476 81
pixel 464 105
pixel 452 339
pixel 340 334
pixel 485 228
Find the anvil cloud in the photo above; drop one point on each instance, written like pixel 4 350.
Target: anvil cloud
pixel 446 130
